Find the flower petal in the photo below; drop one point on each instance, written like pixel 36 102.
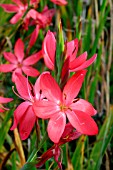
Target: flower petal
pixel 17 70
pixel 10 57
pixel 45 109
pixel 34 36
pixel 10 8
pixel 5 100
pixel 33 58
pixel 85 64
pixel 23 86
pixel 26 123
pixel 72 49
pixel 19 50
pixel 1 110
pixel 84 106
pixel 73 86
pixel 30 71
pixel 5 68
pixel 49 48
pixel 56 126
pixel 59 2
pixel 78 61
pixel 50 88
pixel 82 122
pixel 18 113
pixel 16 18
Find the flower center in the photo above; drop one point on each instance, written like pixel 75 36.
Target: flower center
pixel 19 65
pixel 63 107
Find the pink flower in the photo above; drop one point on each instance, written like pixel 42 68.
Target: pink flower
pixel 59 2
pixel 59 105
pixel 40 20
pixel 19 8
pixel 2 101
pixel 75 63
pixel 18 63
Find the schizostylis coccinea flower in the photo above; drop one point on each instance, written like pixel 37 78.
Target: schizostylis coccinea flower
pixel 61 104
pixel 17 63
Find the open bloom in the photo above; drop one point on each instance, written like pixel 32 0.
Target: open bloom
pixel 19 8
pixel 18 63
pixel 4 100
pixel 75 63
pixel 24 114
pixel 59 105
pixel 59 2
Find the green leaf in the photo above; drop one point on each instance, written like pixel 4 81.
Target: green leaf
pixel 103 139
pixel 77 159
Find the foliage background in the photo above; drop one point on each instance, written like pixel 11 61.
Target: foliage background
pixel 90 21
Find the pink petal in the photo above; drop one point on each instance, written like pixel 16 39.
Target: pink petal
pixel 59 2
pixel 10 57
pixel 85 64
pixel 30 71
pixel 82 122
pixel 32 14
pixel 50 88
pixel 19 50
pixel 83 106
pixel 18 113
pixel 23 86
pixel 5 100
pixel 56 126
pixel 33 58
pixel 16 18
pixel 10 8
pixel 45 109
pixel 72 49
pixel 17 70
pixel 26 123
pixel 78 61
pixel 5 68
pixel 49 48
pixel 34 36
pixel 73 86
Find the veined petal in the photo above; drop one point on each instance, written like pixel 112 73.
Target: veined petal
pixel 23 86
pixel 50 88
pixel 10 57
pixel 18 113
pixel 10 8
pixel 19 50
pixel 78 61
pixel 33 58
pixel 49 48
pixel 83 106
pixel 56 126
pixel 26 123
pixel 82 122
pixel 5 100
pixel 16 18
pixel 45 109
pixel 59 2
pixel 73 86
pixel 5 68
pixel 72 49
pixel 85 64
pixel 30 71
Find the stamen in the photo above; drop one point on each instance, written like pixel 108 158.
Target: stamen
pixel 17 93
pixel 76 100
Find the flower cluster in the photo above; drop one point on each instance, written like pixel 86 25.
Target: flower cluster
pixel 68 115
